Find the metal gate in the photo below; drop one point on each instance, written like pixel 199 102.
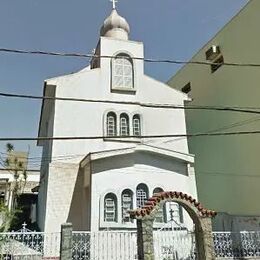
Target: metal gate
pixel 173 240
pixel 104 245
pixel 28 245
pixel 174 245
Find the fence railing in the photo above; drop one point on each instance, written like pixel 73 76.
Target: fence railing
pixel 105 245
pixel 237 244
pixel 29 245
pixel 119 245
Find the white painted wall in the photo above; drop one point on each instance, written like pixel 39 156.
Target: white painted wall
pixel 87 119
pixel 118 173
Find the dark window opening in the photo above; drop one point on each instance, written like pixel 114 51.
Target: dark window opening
pixel 218 63
pixel 187 88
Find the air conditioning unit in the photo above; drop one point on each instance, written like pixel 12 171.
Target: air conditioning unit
pixel 213 52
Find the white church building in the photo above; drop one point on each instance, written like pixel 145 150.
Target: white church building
pixel 93 182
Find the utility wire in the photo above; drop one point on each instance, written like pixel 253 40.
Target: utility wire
pixel 251 110
pixel 226 127
pixel 256 175
pixel 112 138
pixel 151 60
pixel 74 156
pixel 38 159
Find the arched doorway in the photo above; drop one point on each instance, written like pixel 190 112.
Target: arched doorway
pixel 200 216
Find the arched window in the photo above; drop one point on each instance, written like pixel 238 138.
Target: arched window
pixel 123 72
pixel 111 124
pixel 124 125
pixel 136 125
pixel 127 204
pixel 110 208
pixel 142 195
pixel 161 214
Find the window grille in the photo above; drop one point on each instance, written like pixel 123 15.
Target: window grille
pixel 124 125
pixel 141 195
pixel 123 72
pixel 136 125
pixel 111 124
pixel 127 204
pixel 110 208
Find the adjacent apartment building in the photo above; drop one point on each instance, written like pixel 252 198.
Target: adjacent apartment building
pixel 227 167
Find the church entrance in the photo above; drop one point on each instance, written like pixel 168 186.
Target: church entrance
pixel 173 238
pixel 170 238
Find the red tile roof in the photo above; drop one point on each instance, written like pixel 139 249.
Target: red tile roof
pixel 158 197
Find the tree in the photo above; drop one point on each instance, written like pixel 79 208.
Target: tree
pixel 17 167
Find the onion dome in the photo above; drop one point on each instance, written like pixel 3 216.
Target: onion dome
pixel 115 26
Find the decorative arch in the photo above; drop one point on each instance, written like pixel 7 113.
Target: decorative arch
pixel 201 217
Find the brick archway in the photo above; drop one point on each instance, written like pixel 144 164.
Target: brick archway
pixel 201 217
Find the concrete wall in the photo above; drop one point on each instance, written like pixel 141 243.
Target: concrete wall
pixel 46 129
pixel 227 168
pixel 61 184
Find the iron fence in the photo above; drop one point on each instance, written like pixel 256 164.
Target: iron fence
pixel 29 245
pixel 105 245
pixel 119 245
pixel 237 244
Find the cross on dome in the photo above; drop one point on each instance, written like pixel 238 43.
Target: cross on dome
pixel 115 26
pixel 114 3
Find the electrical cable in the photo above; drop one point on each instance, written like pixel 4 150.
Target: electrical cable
pixel 150 105
pixel 69 138
pixel 151 60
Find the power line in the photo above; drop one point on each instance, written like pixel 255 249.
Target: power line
pixel 257 175
pixel 226 127
pixel 38 159
pixel 251 110
pixel 74 156
pixel 151 60
pixel 70 138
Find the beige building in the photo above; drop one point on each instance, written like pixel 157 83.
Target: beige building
pixel 227 168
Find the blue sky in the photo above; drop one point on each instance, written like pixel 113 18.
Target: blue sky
pixel 173 29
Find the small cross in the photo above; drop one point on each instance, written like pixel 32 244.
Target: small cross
pixel 24 225
pixel 171 214
pixel 114 3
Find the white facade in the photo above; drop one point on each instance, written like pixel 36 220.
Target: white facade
pixel 80 173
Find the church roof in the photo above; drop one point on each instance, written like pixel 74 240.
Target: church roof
pixel 143 148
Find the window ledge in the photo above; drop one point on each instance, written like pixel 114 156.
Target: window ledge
pixel 123 140
pixel 123 90
pixel 118 225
